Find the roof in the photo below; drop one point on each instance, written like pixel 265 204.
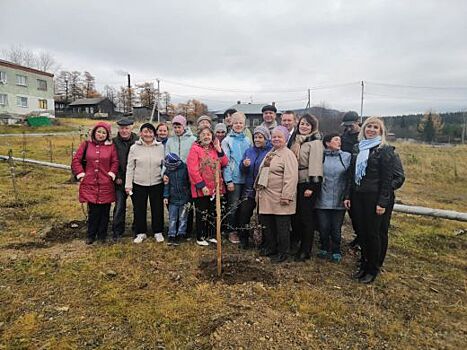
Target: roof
pixel 23 68
pixel 88 101
pixel 247 108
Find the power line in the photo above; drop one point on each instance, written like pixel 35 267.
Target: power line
pixel 419 86
pixel 416 98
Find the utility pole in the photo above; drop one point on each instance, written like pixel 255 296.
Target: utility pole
pixel 66 91
pixel 361 104
pixel 308 105
pixel 166 95
pixel 129 93
pixel 158 101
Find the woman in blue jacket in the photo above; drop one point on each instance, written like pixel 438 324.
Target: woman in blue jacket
pixel 330 203
pixel 249 166
pixel 234 145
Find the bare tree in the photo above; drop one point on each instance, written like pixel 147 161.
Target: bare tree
pixel 28 58
pixel 147 94
pixel 89 85
pixel 111 93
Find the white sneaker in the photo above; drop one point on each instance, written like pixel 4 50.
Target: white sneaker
pixel 140 237
pixel 202 242
pixel 212 240
pixel 159 237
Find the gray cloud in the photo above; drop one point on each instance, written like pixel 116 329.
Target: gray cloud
pixel 259 46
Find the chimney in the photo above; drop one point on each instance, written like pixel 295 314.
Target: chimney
pixel 273 104
pixel 239 102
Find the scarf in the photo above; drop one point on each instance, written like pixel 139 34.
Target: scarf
pixel 263 176
pixel 299 139
pixel 364 147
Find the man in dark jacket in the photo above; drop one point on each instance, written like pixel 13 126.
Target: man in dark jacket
pixel 349 139
pixel 123 141
pixel 351 125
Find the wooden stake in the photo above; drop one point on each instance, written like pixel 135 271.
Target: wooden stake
pixel 218 220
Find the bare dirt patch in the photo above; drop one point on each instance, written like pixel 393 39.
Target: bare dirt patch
pixel 237 269
pixel 65 232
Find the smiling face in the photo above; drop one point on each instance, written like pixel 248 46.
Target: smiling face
pixel 147 135
pixel 278 140
pixel 238 124
pixel 269 116
pixel 205 137
pixel 372 130
pixel 259 140
pixel 304 128
pixel 162 132
pixel 288 120
pixel 100 134
pixel 220 135
pixel 125 131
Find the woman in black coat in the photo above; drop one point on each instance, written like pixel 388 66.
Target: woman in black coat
pixel 372 170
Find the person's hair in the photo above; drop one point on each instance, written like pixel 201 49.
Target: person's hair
pixel 329 137
pixel 239 115
pixel 290 112
pixel 373 120
pixel 162 124
pixel 201 130
pixel 93 133
pixel 310 119
pixel 229 111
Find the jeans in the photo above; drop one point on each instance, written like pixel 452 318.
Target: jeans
pixel 205 217
pixel 330 224
pixel 98 221
pixel 233 201
pixel 119 213
pixel 140 207
pixel 178 217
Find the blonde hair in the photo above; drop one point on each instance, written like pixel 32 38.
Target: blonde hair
pixel 373 120
pixel 238 115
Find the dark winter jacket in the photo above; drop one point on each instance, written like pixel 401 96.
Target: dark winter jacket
pixel 178 188
pixel 379 173
pixel 97 185
pixel 256 156
pixel 123 148
pixel 348 141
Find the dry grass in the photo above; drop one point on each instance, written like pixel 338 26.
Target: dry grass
pixel 65 295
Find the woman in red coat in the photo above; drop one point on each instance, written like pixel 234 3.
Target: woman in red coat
pixel 202 161
pixel 96 163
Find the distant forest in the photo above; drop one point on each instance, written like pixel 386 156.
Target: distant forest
pixel 403 126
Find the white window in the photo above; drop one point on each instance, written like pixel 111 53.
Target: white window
pixel 42 104
pixel 22 101
pixel 2 77
pixel 21 80
pixel 41 85
pixel 3 99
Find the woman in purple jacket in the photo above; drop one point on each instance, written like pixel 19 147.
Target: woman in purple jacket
pixel 249 166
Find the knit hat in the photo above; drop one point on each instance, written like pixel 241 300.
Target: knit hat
pixel 220 127
pixel 148 126
pixel 263 131
pixel 172 161
pixel 179 119
pixel 283 130
pixel 269 108
pixel 204 117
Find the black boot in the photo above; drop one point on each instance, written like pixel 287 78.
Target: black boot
pixel 367 279
pixel 359 274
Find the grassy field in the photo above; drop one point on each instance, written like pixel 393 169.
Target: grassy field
pixel 58 293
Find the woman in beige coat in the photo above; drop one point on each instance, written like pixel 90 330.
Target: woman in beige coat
pixel 276 187
pixel 308 148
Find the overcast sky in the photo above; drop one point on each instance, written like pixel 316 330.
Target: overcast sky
pixel 412 55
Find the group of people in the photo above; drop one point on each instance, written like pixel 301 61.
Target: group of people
pixel 295 179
